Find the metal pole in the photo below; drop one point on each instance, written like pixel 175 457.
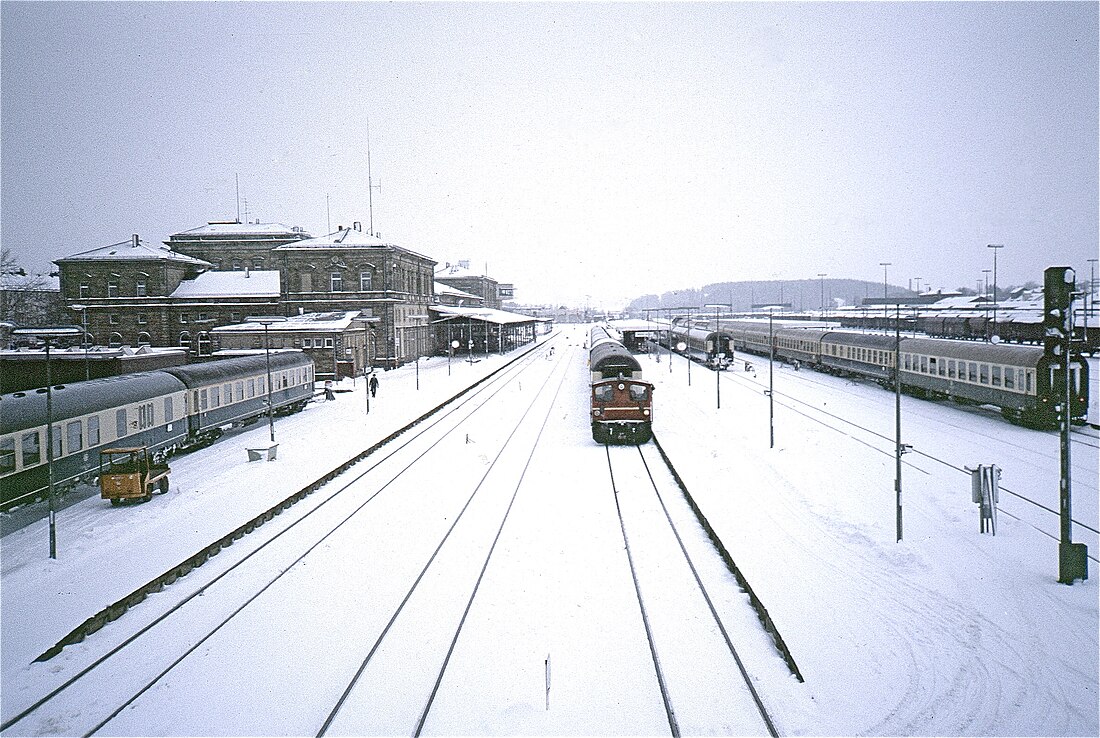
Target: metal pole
pixel 885 308
pixel 270 406
pixel 771 384
pixel 996 247
pixel 670 341
pixel 899 449
pixel 687 349
pixel 49 454
pixel 717 364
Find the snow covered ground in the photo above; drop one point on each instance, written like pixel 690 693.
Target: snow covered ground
pixel 948 632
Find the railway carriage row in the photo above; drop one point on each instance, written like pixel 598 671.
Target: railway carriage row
pixel 1023 381
pixel 165 411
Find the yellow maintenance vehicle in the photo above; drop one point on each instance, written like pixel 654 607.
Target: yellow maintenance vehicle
pixel 130 474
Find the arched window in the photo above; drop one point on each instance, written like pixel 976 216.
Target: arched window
pixel 185 340
pixel 144 339
pixel 115 340
pixel 204 344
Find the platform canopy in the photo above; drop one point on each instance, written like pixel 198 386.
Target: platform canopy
pixel 485 315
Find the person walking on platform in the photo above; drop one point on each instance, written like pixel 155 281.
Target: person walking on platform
pixel 373 385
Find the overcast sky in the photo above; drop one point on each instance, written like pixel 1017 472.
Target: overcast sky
pixel 602 150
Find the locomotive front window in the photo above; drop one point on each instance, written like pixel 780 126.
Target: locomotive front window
pixel 639 392
pixel 602 393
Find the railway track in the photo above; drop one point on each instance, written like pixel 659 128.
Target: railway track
pixel 683 591
pixel 1083 439
pixel 140 662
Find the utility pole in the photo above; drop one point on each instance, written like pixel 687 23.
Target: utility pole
pixel 370 184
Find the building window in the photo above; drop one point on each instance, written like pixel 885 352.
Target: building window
pixel 328 343
pixel 185 317
pixel 139 289
pixel 93 431
pixel 85 290
pixel 237 265
pixel 336 281
pixel 307 283
pixel 113 319
pixel 142 318
pixel 202 317
pixel 112 289
pixel 234 317
pixel 364 282
pixel 258 263
pixel 144 339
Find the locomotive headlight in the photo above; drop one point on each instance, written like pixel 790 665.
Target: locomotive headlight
pixel 622 386
pixel 596 412
pixel 646 411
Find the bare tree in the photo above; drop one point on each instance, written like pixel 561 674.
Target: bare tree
pixel 25 299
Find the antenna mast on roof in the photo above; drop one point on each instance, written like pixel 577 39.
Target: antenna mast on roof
pixel 237 179
pixel 370 183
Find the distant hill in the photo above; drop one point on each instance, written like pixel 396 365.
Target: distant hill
pixel 800 294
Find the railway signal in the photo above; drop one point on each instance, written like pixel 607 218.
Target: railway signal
pixel 1059 285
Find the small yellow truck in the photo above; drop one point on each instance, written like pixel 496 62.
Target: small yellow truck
pixel 130 474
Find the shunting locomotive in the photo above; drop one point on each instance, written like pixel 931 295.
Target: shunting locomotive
pixel 622 401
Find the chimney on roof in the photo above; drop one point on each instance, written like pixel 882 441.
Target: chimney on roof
pixel 358 225
pixel 135 240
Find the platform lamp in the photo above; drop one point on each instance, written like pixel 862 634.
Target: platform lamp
pixel 718 356
pixel 84 337
pixel 996 247
pixel 265 321
pixel 885 315
pixel 418 345
pixel 46 334
pixel 368 321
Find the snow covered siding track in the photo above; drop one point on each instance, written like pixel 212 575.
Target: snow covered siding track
pixel 689 641
pixel 761 611
pixel 116 609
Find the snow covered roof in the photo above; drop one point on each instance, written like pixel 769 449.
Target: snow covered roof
pixel 230 284
pixel 446 289
pixel 636 325
pixel 31 282
pixel 486 315
pixel 133 250
pixel 456 271
pixel 233 228
pixel 328 322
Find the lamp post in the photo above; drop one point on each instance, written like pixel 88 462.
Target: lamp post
pixel 84 337
pixel 771 382
pixel 885 314
pixel 1090 305
pixel 996 247
pixel 46 334
pixel 985 306
pixel 821 277
pixel 418 346
pixel 718 356
pixel 265 321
